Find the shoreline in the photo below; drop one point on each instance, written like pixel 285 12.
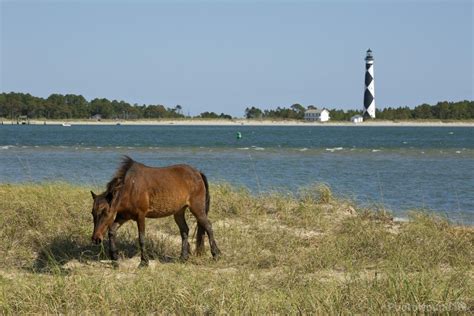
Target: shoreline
pixel 245 122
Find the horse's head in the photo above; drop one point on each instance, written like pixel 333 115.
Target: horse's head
pixel 103 216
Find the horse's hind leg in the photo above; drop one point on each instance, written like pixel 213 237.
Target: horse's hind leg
pixel 210 233
pixel 203 223
pixel 201 231
pixel 184 231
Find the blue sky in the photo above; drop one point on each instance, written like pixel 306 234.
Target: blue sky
pixel 224 56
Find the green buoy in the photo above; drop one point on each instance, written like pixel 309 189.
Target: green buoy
pixel 239 135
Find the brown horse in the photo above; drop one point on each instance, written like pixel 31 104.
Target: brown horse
pixel 137 191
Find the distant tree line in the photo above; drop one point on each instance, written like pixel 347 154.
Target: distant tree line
pixel 296 111
pixel 71 106
pixel 213 115
pixel 462 110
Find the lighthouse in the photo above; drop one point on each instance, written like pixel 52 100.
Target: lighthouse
pixel 369 94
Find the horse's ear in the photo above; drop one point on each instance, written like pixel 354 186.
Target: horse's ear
pixel 93 195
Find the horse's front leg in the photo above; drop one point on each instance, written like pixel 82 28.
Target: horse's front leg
pixel 141 240
pixel 112 236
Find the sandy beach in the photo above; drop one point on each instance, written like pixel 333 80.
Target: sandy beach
pixel 245 122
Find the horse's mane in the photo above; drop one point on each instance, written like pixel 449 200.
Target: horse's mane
pixel 118 179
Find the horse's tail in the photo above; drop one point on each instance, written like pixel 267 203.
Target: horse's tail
pixel 201 231
pixel 208 197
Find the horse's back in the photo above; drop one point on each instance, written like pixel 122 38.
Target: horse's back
pixel 180 176
pixel 162 191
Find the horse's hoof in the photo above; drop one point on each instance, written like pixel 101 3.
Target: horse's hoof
pixel 216 253
pixel 199 252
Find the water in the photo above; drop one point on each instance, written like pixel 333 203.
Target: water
pixel 402 168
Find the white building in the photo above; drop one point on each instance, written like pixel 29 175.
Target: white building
pixel 357 119
pixel 316 115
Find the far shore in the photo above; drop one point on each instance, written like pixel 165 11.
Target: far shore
pixel 245 122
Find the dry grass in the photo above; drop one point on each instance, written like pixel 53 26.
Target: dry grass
pixel 282 253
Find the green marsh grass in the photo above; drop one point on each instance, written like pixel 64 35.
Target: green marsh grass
pixel 283 253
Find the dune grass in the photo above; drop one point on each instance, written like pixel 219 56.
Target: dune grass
pixel 282 253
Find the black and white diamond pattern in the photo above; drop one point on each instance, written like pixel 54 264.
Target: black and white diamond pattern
pixel 369 94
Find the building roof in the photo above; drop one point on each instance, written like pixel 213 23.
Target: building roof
pixel 317 111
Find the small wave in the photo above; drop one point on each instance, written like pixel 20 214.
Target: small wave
pixel 243 148
pixel 376 150
pixel 405 143
pixel 451 133
pixel 458 151
pixel 259 148
pixel 6 147
pixel 334 149
pixel 303 149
